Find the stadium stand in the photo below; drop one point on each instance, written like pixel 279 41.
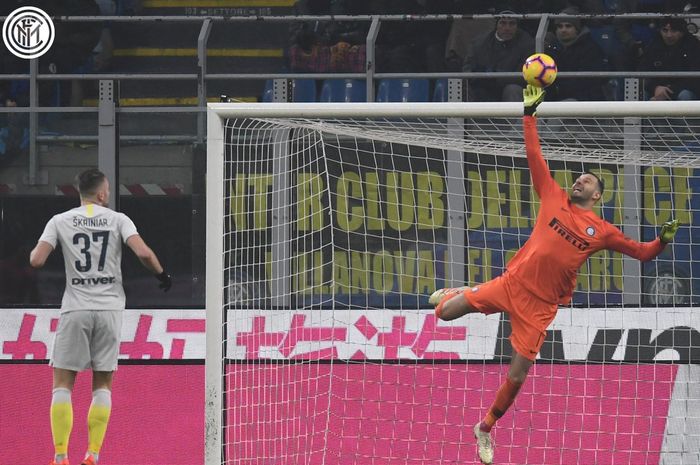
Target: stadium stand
pixel 169 47
pixel 161 167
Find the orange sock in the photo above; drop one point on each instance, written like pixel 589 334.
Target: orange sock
pixel 504 398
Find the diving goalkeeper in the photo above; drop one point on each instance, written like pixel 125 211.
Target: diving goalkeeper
pixel 542 274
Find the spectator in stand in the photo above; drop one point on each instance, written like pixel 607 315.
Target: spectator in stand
pixel 464 30
pixel 503 49
pixel 619 38
pixel 410 46
pixel 327 46
pixel 672 50
pixel 433 34
pixel 573 48
pixel 538 7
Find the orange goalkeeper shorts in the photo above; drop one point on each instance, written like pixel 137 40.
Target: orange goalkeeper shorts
pixel 529 315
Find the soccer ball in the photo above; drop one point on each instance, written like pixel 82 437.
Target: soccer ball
pixel 539 70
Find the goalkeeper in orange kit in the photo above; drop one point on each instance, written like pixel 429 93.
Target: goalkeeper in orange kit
pixel 543 273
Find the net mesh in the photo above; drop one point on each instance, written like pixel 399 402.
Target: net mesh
pixel 662 141
pixel 336 233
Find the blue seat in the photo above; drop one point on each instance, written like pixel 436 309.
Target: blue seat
pixel 403 90
pixel 642 33
pixel 440 91
pixel 614 89
pixel 267 91
pixel 303 90
pixel 343 90
pixel 607 40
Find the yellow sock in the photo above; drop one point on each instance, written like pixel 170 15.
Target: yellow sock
pixel 97 418
pixel 61 419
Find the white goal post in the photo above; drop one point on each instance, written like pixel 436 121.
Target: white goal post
pixel 329 225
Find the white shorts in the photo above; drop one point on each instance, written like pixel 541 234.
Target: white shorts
pixel 87 339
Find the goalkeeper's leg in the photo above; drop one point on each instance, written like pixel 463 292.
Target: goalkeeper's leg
pixel 489 297
pixel 527 341
pixel 505 396
pixel 450 303
pixel 519 368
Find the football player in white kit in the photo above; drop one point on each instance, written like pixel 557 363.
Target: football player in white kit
pixel 89 327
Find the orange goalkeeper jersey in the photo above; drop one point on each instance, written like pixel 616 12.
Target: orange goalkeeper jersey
pixel 564 235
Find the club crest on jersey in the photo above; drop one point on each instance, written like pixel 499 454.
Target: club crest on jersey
pixel 590 231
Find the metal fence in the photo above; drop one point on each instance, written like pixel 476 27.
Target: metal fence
pixel 108 109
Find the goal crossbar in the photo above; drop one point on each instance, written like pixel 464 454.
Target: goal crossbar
pixel 453 109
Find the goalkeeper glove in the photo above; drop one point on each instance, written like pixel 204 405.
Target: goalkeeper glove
pixel 166 281
pixel 668 231
pixel 532 96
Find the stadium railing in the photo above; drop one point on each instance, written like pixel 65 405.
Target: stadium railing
pixel 108 101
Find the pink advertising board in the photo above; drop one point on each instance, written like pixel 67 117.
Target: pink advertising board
pixel 404 413
pixel 286 399
pixel 157 418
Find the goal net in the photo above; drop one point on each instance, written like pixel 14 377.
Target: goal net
pixel 328 226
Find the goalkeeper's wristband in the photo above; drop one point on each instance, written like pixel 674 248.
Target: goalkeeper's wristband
pixel 532 97
pixel 664 240
pixel 530 111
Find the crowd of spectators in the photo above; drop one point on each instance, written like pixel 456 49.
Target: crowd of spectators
pixel 664 43
pixel 498 43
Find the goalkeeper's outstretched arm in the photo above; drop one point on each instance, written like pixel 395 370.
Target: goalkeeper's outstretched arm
pixel 541 177
pixel 643 251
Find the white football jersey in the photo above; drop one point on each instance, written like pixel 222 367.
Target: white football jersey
pixel 91 237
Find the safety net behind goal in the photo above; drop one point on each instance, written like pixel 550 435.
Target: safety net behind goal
pixel 330 233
